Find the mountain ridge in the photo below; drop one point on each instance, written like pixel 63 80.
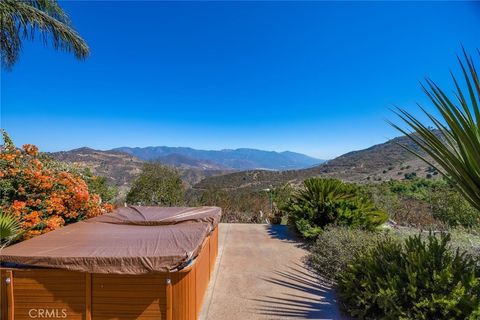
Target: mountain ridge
pixel 380 162
pixel 235 159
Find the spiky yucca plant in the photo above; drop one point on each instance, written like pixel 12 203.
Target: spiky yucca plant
pixel 455 145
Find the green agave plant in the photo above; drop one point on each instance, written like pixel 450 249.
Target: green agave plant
pixel 455 144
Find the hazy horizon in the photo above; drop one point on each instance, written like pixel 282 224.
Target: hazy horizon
pixel 278 76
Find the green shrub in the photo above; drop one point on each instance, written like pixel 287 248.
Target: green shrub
pixel 100 186
pixel 424 203
pixel 416 279
pixel 328 201
pixel 336 247
pixel 157 185
pixel 450 207
pixel 410 176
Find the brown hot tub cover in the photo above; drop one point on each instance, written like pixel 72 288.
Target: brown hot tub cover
pixel 130 240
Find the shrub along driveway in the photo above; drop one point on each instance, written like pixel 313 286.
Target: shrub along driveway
pixel 260 274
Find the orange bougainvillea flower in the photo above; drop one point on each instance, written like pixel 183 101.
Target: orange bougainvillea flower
pixel 49 195
pixel 30 149
pixel 55 222
pixel 18 205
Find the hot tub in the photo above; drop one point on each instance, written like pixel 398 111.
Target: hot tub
pixel 134 263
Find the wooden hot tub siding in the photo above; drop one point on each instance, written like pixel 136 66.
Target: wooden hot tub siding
pixel 84 296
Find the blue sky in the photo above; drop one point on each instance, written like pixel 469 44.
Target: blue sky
pixel 311 77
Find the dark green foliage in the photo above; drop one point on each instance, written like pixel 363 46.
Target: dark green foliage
pixel 410 175
pixel 100 186
pixel 451 208
pixel 416 279
pixel 416 188
pixel 328 201
pixel 336 247
pixel 157 185
pixel 424 202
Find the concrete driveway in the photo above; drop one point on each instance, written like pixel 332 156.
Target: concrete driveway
pixel 259 274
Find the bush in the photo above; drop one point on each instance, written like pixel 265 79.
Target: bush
pixel 336 247
pixel 157 185
pixel 328 201
pixel 99 185
pixel 238 206
pixel 42 194
pixel 450 207
pixel 410 176
pixel 424 203
pixel 416 279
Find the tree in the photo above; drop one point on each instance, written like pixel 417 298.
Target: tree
pixel 100 186
pixel 21 20
pixel 455 142
pixel 157 185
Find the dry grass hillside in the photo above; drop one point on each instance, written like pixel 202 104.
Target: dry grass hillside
pixel 378 163
pixel 121 168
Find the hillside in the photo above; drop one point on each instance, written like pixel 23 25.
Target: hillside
pixel 237 159
pixel 121 168
pixel 181 161
pixel 378 163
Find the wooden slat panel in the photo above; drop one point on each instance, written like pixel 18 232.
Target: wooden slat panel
pixel 49 293
pixel 213 249
pixel 88 296
pixel 3 295
pixel 128 297
pixel 184 295
pixel 10 298
pixel 202 275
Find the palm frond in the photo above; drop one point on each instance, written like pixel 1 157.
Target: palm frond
pixel 24 19
pixel 455 142
pixel 9 228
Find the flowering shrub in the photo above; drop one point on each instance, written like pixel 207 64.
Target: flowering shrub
pixel 42 194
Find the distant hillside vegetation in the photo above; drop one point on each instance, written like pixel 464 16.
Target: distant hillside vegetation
pixel 121 168
pixel 238 159
pixel 181 161
pixel 378 163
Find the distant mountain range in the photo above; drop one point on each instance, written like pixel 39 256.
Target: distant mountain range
pixel 224 169
pixel 381 162
pixel 234 159
pixel 122 165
